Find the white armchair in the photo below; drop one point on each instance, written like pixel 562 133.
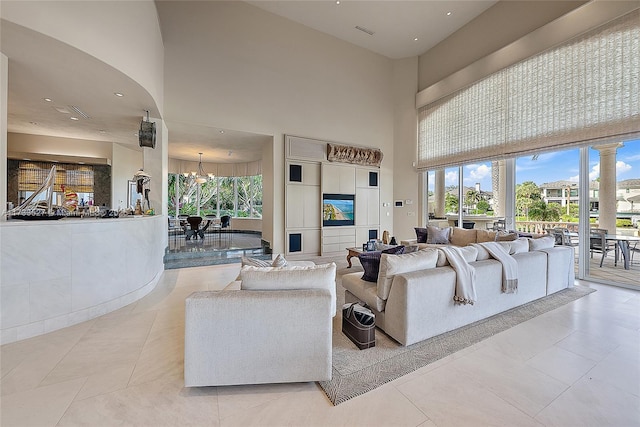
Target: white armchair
pixel 277 328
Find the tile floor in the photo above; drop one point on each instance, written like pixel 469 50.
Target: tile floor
pixel 578 365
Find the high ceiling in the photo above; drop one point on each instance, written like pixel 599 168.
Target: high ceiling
pixel 43 68
pixel 400 28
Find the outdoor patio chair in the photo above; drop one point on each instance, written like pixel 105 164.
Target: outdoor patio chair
pixel 598 243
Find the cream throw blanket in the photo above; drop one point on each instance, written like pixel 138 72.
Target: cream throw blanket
pixel 465 276
pixel 509 266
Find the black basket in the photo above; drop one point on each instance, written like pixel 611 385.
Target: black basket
pixel 360 328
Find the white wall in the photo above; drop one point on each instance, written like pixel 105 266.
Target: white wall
pixel 123 34
pixel 405 137
pixel 250 224
pixel 232 65
pixel 125 162
pixel 498 26
pixel 39 144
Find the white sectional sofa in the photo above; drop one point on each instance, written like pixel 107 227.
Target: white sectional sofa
pixel 420 303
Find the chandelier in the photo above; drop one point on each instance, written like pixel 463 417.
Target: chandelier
pixel 200 176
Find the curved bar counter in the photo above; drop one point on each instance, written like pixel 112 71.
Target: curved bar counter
pixel 54 274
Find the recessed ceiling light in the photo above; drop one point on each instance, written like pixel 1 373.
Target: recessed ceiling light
pixel 102 131
pixel 221 131
pixel 118 94
pixel 34 123
pixel 337 1
pixel 415 39
pixel 74 118
pixel 48 99
pixel 448 13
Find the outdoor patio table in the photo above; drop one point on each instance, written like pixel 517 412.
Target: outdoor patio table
pixel 625 247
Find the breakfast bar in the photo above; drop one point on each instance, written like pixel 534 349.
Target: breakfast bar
pixel 54 274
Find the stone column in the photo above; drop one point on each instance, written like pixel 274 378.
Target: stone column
pixel 607 190
pixel 439 194
pixel 498 183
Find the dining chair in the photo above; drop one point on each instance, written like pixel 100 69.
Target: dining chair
pixel 225 223
pixel 499 225
pixel 562 236
pixel 194 226
pixel 633 250
pixel 598 243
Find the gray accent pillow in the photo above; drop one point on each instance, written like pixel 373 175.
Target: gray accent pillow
pixel 438 235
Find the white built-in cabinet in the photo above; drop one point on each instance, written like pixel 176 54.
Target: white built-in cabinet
pixel 308 175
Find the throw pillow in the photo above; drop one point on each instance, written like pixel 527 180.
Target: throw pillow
pixel 438 235
pixel 390 265
pixel 462 237
pixel 506 246
pixel 520 245
pixel 485 236
pixel 506 237
pixel 411 248
pixel 255 262
pixel 321 276
pixel 483 254
pixel 469 253
pixel 279 261
pixel 371 262
pixel 421 234
pixel 545 242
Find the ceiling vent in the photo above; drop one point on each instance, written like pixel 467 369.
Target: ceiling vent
pixel 364 30
pixel 78 111
pixel 72 109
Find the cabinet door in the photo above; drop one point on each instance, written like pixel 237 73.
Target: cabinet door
pixel 367 206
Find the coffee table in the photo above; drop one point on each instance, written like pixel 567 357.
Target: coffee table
pixel 353 252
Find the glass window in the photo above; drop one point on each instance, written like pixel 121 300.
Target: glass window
pixel 234 196
pixel 547 194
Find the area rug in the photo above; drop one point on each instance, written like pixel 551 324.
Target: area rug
pixel 356 372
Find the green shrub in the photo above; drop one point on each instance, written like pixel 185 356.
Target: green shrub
pixel 623 223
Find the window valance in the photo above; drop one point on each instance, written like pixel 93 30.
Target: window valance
pixel 585 91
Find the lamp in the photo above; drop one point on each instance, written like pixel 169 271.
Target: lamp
pixel 201 177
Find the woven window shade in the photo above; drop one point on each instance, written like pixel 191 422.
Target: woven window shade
pixel 584 91
pixel 78 178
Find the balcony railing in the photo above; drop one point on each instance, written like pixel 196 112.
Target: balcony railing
pixel 541 227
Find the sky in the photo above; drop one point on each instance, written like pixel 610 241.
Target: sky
pixel 549 167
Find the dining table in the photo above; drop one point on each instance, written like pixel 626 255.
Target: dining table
pixel 623 243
